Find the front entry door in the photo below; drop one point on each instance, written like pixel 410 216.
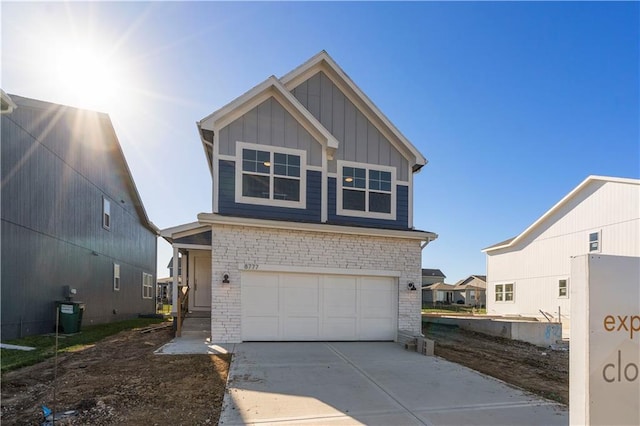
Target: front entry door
pixel 202 281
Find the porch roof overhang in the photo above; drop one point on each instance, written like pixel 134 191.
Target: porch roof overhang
pixel 185 230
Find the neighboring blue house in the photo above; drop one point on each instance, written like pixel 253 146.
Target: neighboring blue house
pixel 71 216
pixel 311 235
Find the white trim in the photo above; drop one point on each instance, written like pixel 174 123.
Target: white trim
pixel 106 213
pixel 558 205
pixel 116 276
pixel 340 211
pixel 316 168
pixel 410 201
pixel 215 173
pixel 599 241
pixel 226 157
pixel 193 246
pixel 566 296
pixel 324 189
pixel 253 267
pixel 239 198
pixel 183 230
pixel 504 292
pixel 214 219
pixel 147 277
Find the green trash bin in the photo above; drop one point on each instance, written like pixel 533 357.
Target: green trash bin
pixel 70 316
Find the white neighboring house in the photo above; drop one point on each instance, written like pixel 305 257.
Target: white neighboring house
pixel 529 273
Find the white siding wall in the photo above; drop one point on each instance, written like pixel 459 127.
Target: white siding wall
pixel 537 263
pixel 234 245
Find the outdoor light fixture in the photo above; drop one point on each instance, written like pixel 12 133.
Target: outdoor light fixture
pixel 411 286
pixel 225 278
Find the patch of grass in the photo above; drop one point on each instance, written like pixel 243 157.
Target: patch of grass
pixel 445 309
pixel 11 359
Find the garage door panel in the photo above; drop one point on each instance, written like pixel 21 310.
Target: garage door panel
pixel 340 296
pixel 285 306
pixel 301 328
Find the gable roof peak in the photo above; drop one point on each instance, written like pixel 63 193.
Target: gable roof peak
pixel 322 61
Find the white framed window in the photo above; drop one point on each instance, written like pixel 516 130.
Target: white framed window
pixel 563 288
pixel 106 213
pixel 366 190
pixel 504 292
pixel 147 286
pixel 271 176
pixel 594 242
pixel 116 277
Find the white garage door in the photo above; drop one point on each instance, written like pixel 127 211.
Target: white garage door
pixel 288 306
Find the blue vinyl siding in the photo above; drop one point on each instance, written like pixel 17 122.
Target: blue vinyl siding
pixel 402 211
pixel 228 206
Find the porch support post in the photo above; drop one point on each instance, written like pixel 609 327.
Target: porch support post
pixel 176 269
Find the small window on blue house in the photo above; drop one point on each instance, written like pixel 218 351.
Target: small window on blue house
pixel 366 191
pixel 271 176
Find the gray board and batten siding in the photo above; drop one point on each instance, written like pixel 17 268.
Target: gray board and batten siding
pixel 270 124
pixel 57 165
pixel 360 140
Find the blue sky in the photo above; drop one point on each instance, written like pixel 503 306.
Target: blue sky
pixel 513 104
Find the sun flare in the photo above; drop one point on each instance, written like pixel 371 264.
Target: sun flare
pixel 89 74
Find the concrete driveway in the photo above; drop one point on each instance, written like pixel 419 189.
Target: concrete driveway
pixel 369 383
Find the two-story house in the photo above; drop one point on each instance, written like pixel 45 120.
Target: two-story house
pixel 71 217
pixel 311 232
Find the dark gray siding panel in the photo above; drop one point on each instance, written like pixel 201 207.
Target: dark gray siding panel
pixel 228 206
pixel 270 124
pixel 402 211
pixel 57 165
pixel 359 139
pixel 203 239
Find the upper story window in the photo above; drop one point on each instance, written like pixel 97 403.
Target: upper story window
pixel 594 242
pixel 106 213
pixel 563 288
pixel 270 176
pixel 366 191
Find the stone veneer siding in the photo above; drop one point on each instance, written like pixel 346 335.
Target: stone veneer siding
pixel 233 245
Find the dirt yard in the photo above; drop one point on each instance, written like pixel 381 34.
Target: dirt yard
pixel 539 370
pixel 119 381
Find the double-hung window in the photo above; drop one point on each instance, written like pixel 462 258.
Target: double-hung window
pixel 147 286
pixel 594 242
pixel 563 288
pixel 270 176
pixel 504 292
pixel 366 191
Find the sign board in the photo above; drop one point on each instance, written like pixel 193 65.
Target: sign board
pixel 604 367
pixel 66 309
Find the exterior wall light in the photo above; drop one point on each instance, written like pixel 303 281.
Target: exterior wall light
pixel 411 286
pixel 225 278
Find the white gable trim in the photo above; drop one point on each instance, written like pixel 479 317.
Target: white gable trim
pixel 271 87
pixel 323 62
pixel 557 206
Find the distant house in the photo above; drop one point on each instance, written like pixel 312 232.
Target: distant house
pixel 471 291
pixel 438 294
pixel 432 276
pixel 71 216
pixel 311 234
pixel 530 273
